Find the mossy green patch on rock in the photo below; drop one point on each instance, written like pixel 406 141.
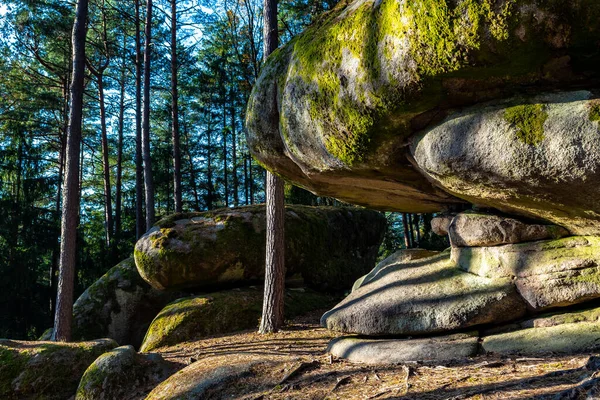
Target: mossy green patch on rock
pixel 122 373
pixel 329 246
pixel 120 305
pixel 594 110
pixel 529 121
pixel 221 312
pixel 45 370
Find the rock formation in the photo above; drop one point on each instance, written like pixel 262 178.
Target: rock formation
pixel 328 246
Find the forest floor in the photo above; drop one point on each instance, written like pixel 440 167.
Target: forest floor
pixel 302 345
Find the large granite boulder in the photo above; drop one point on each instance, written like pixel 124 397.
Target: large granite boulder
pixel 120 305
pixel 399 256
pixel 551 273
pixel 192 318
pixel 334 109
pixel 475 229
pixel 537 156
pixel 329 246
pixel 122 374
pixel 422 297
pixel 45 370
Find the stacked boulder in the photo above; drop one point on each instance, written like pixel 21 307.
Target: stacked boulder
pixel 499 269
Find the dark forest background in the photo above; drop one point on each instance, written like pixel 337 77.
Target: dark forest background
pixel 218 53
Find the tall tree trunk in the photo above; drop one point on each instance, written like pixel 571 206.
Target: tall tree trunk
pixel 108 218
pixel 236 197
pixel 175 114
pixel 119 183
pixel 70 211
pixel 246 187
pixel 416 220
pixel 139 170
pixel 251 178
pixel 225 178
pixel 411 232
pixel 272 313
pixel 148 181
pixel 193 183
pixel 405 229
pixel 209 172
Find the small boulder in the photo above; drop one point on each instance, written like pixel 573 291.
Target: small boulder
pixel 120 305
pixel 329 246
pixel 472 229
pixel 204 381
pixel 45 370
pixel 440 224
pixel 122 373
pixel 228 311
pixel 551 273
pixel 396 351
pixel 424 296
pixel 399 256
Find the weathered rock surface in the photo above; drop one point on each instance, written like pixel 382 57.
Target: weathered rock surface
pixel 122 373
pixel 45 370
pixel 330 246
pixel 395 351
pixel 424 296
pixel 222 312
pixel 567 338
pixel 553 273
pixel 333 109
pixel 120 305
pixel 399 256
pixel 535 156
pixel 198 381
pixel 441 223
pixel 472 229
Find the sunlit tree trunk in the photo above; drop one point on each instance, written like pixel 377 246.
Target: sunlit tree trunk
pixel 148 180
pixel 272 313
pixel 175 114
pixel 139 168
pixel 70 210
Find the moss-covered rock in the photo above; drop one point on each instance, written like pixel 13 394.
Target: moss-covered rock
pixel 567 338
pixel 45 370
pixel 120 305
pixel 122 374
pixel 222 312
pixel 333 108
pixel 329 246
pixel 424 296
pixel 485 158
pixel 548 273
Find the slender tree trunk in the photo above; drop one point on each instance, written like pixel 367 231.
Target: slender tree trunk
pixel 251 178
pixel 139 170
pixel 108 218
pixel 416 220
pixel 119 183
pixel 246 187
pixel 68 242
pixel 272 314
pixel 225 178
pixel 148 181
pixel 175 114
pixel 193 184
pixel 209 172
pixel 406 233
pixel 411 232
pixel 236 197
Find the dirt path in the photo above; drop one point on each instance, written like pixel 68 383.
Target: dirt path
pixel 302 344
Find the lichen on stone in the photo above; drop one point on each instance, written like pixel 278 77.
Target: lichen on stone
pixel 594 106
pixel 528 119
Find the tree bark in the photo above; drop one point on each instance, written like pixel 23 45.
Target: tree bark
pixel 175 114
pixel 406 233
pixel 148 181
pixel 139 169
pixel 416 221
pixel 119 179
pixel 236 197
pixel 108 218
pixel 272 313
pixel 70 211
